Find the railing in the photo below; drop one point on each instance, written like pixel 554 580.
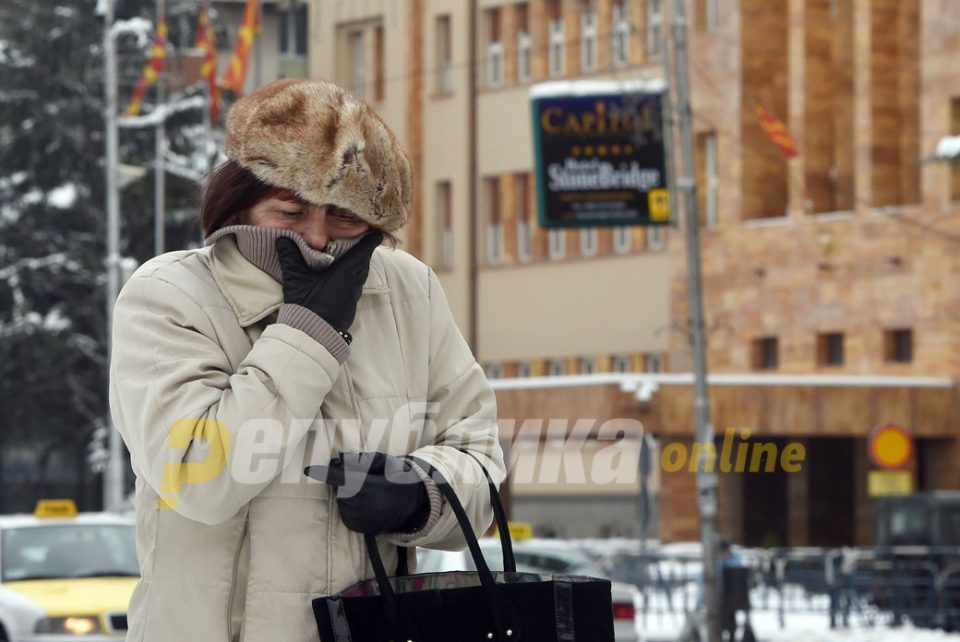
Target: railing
pixel 840 588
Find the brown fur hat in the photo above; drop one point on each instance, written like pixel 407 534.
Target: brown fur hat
pixel 315 138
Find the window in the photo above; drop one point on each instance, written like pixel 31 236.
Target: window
pixel 555 368
pixel 765 353
pixel 621 363
pixel 444 55
pixel 620 34
pixel 708 180
pixel 587 365
pixel 588 40
pixel 955 131
pixel 378 62
pixel 444 202
pixel 494 226
pixel 358 65
pixel 654 28
pixel 622 241
pixel 558 244
pixel 293 33
pixel 830 349
pixel 286 32
pixel 524 43
pixel 523 368
pixel 557 45
pixel 524 231
pixel 588 241
pixel 898 345
pixel 654 238
pixel 494 371
pixel 654 363
pixel 706 15
pixel 494 49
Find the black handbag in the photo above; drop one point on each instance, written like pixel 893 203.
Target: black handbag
pixel 468 606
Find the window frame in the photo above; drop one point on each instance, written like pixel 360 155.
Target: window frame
pixel 589 39
pixel 524 57
pixel 653 363
pixel 619 245
pixel 557 244
pixel 495 248
pixel 443 26
pixel 620 33
pixel 556 48
pixel 655 241
pixel 443 193
pixel 655 40
pixel 712 187
pixel 556 368
pixel 589 241
pixel 621 363
pixel 357 44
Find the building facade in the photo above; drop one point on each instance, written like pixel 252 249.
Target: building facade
pixel 821 272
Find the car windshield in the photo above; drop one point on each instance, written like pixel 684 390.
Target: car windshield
pixel 67 551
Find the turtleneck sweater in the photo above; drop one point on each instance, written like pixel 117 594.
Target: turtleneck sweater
pixel 258 245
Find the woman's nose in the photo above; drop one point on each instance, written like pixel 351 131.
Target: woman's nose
pixel 314 230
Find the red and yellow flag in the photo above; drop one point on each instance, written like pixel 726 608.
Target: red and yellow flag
pixel 249 28
pixel 153 68
pixel 207 41
pixel 778 133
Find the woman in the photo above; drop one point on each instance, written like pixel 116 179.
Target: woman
pixel 292 339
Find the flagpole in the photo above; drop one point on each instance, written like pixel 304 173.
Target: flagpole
pixel 160 145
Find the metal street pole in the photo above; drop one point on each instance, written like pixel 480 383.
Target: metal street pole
pixel 159 176
pixel 113 474
pixel 706 480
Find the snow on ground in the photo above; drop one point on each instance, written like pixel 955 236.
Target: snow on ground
pixel 803 628
pixel 904 634
pixel 805 618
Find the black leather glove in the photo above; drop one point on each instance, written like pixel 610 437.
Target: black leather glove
pixel 332 293
pixel 376 493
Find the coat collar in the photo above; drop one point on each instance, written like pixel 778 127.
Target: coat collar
pixel 253 294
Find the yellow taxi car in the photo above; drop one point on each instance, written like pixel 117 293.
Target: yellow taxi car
pixel 64 575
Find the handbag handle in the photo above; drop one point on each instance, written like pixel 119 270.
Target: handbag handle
pixel 500 518
pixel 483 571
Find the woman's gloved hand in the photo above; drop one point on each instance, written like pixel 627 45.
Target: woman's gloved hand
pixel 333 293
pixel 376 493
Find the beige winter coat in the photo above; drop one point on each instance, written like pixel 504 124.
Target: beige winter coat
pixel 220 408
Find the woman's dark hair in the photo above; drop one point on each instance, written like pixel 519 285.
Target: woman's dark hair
pixel 229 195
pixel 232 191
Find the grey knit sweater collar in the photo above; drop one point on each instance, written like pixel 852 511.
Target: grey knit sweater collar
pixel 258 245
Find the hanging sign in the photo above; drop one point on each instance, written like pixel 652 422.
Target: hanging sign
pixel 600 153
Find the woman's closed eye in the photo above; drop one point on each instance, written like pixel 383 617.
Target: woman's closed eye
pixel 344 216
pixel 291 212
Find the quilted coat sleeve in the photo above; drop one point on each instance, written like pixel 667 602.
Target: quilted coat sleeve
pixel 464 409
pixel 186 413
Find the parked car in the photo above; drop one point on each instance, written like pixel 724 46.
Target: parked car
pixel 65 576
pixel 556 557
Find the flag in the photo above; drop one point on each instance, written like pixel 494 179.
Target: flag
pixel 778 133
pixel 207 41
pixel 249 28
pixel 153 68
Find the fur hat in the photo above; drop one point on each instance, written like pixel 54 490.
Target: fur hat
pixel 327 146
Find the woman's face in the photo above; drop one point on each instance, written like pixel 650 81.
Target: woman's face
pixel 317 224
